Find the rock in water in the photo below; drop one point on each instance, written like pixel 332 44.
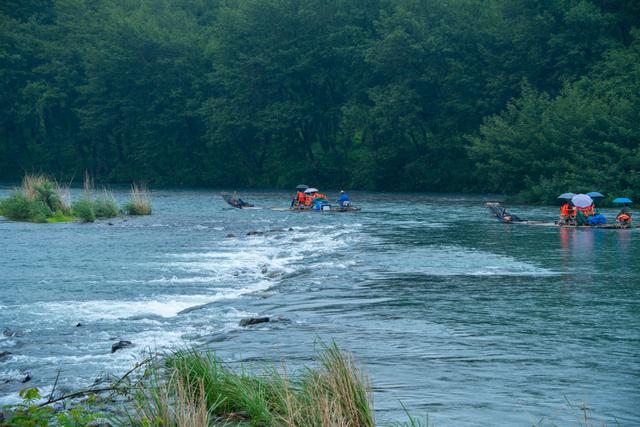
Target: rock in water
pixel 9 333
pixel 253 321
pixel 120 345
pixel 26 378
pixel 4 354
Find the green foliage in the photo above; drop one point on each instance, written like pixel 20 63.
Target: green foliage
pixel 195 386
pixel 586 138
pixel 83 209
pixel 16 207
pixel 105 206
pixel 385 95
pixel 30 414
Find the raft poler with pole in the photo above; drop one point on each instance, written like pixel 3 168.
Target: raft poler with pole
pixel 624 217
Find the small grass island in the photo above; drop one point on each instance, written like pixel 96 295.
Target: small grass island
pixel 41 199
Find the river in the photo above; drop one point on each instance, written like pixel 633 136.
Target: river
pixel 453 314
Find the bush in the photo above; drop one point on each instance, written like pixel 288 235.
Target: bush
pixel 105 206
pixel 83 209
pixel 16 207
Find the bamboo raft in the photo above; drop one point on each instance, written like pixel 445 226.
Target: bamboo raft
pixel 501 215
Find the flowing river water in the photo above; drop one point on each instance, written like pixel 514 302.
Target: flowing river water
pixel 453 314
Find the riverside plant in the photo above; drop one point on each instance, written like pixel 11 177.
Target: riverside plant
pixel 89 207
pixel 140 202
pixel 39 199
pixel 199 389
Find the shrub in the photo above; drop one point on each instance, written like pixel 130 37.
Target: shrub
pixel 105 205
pixel 83 209
pixel 16 207
pixel 140 202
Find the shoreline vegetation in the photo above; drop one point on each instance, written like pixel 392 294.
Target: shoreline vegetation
pixel 196 388
pixel 41 199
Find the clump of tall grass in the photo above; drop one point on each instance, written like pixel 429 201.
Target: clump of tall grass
pixel 197 388
pixel 83 210
pixel 88 208
pixel 105 205
pixel 140 202
pixel 37 200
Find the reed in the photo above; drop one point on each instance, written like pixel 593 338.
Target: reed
pixel 140 202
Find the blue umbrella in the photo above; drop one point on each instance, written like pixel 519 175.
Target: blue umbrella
pixel 595 195
pixel 622 200
pixel 567 196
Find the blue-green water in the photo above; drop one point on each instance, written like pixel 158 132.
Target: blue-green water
pixel 452 313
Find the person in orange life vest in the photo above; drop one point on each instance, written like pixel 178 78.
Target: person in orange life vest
pixel 300 197
pixel 308 198
pixel 624 216
pixel 319 196
pixel 566 210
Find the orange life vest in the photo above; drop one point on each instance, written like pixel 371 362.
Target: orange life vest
pixel 564 210
pixel 319 195
pixel 308 199
pixel 300 197
pixel 623 217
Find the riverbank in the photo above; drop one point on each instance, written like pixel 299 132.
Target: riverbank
pixel 198 389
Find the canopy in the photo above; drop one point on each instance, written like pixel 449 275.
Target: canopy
pixel 302 187
pixel 622 200
pixel 595 195
pixel 581 200
pixel 567 196
pixel 311 190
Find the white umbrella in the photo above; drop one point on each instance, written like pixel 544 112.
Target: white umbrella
pixel 581 200
pixel 311 190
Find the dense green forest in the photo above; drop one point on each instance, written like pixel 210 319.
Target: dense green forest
pixel 513 96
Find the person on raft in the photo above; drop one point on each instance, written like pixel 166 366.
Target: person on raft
pixel 343 200
pixel 624 216
pixel 298 200
pixel 567 212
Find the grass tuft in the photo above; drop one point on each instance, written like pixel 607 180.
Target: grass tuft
pixel 140 202
pixel 105 205
pixel 192 384
pixel 84 211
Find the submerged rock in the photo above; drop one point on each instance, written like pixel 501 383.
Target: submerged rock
pixel 78 325
pixel 120 345
pixel 9 333
pixel 230 236
pixel 26 378
pixel 4 354
pixel 253 321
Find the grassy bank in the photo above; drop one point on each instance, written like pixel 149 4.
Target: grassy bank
pixel 40 199
pixel 197 389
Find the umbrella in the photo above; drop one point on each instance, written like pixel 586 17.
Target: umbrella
pixel 581 200
pixel 302 187
pixel 622 200
pixel 595 195
pixel 311 190
pixel 567 196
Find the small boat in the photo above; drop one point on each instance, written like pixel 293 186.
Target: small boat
pixel 503 216
pixel 235 201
